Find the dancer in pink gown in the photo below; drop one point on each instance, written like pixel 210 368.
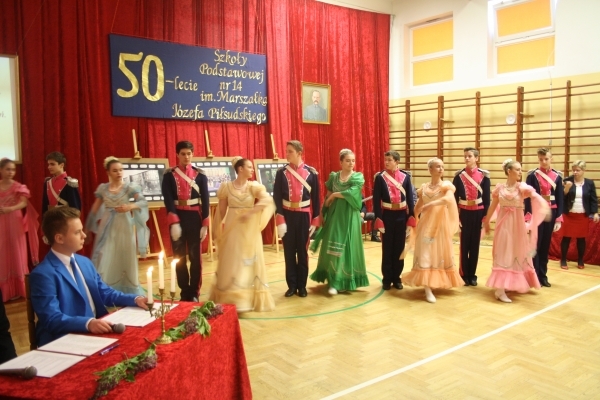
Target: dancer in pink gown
pixel 433 262
pixel 513 250
pixel 13 226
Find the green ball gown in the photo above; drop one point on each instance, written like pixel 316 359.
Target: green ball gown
pixel 341 257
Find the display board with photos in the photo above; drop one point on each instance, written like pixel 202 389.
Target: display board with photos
pixel 148 174
pixel 218 170
pixel 265 171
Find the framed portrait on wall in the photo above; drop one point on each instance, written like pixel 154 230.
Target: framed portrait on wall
pixel 265 171
pixel 148 174
pixel 218 170
pixel 316 103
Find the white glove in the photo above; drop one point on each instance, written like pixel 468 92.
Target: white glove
pixel 382 230
pixel 311 230
pixel 176 232
pixel 281 230
pixel 408 231
pixel 557 226
pixel 203 231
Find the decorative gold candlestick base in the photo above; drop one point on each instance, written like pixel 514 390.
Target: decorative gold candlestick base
pixel 160 312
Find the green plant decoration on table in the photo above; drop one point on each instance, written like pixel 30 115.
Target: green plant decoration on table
pixel 196 322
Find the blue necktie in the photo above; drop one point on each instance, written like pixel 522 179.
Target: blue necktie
pixel 81 286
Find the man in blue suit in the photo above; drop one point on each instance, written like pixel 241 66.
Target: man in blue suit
pixel 67 293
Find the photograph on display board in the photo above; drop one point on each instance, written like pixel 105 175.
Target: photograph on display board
pixel 148 174
pixel 316 103
pixel 218 170
pixel 265 171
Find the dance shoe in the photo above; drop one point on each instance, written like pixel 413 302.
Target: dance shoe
pixel 398 285
pixel 302 292
pixel 501 295
pixel 429 295
pixel 386 286
pixel 581 266
pixel 290 292
pixel 332 291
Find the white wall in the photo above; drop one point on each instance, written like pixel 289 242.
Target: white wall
pixel 577 45
pixel 379 6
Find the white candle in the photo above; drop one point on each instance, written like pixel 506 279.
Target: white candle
pixel 173 275
pixel 149 282
pixel 161 271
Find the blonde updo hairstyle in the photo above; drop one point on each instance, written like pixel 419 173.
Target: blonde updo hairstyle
pixel 432 161
pixel 108 161
pixel 579 164
pixel 344 153
pixel 238 162
pixel 508 165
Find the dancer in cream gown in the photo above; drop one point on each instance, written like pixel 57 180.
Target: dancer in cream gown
pixel 244 210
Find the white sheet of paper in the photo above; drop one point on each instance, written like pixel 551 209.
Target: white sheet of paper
pixel 80 345
pixel 133 316
pixel 47 364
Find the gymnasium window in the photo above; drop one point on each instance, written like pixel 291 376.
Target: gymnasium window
pixel 432 52
pixel 523 34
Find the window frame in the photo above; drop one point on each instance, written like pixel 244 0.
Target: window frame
pixel 516 38
pixel 431 56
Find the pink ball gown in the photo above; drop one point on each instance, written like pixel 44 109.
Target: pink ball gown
pixel 513 247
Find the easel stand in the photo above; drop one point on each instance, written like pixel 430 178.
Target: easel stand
pixel 276 238
pixel 157 227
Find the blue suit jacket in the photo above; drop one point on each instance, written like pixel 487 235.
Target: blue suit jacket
pixel 59 305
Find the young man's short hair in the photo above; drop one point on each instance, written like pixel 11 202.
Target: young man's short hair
pixel 542 151
pixel 184 144
pixel 394 154
pixel 472 150
pixel 56 220
pixel 57 156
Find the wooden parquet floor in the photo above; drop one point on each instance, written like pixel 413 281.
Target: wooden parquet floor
pixel 466 346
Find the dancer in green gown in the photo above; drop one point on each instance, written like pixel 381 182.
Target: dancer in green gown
pixel 341 258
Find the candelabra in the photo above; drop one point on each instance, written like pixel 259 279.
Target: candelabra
pixel 160 312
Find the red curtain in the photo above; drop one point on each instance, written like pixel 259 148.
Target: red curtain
pixel 65 80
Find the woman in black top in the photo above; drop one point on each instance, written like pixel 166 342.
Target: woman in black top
pixel 581 203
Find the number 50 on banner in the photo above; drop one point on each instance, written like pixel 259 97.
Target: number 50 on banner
pixel 135 86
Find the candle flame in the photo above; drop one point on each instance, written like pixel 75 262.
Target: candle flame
pixel 150 269
pixel 161 255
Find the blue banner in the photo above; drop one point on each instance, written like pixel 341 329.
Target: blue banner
pixel 156 79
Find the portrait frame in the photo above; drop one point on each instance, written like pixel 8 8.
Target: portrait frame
pixel 217 170
pixel 321 114
pixel 148 173
pixel 265 171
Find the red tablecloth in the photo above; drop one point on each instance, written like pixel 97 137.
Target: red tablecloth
pixel 592 244
pixel 192 368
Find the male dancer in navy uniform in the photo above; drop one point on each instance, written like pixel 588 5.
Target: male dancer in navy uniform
pixel 296 195
pixel 473 198
pixel 60 190
pixel 548 183
pixel 394 206
pixel 185 192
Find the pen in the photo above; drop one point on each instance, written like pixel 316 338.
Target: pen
pixel 103 352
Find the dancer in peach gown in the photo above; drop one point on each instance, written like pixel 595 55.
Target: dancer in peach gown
pixel 433 263
pixel 513 249
pixel 244 210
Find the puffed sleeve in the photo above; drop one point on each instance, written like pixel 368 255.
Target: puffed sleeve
pixel 23 191
pixel 222 191
pixel 540 210
pixel 140 217
pixel 496 191
pixel 99 193
pixel 263 200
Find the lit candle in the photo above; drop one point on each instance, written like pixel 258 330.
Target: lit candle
pixel 161 271
pixel 149 282
pixel 173 275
